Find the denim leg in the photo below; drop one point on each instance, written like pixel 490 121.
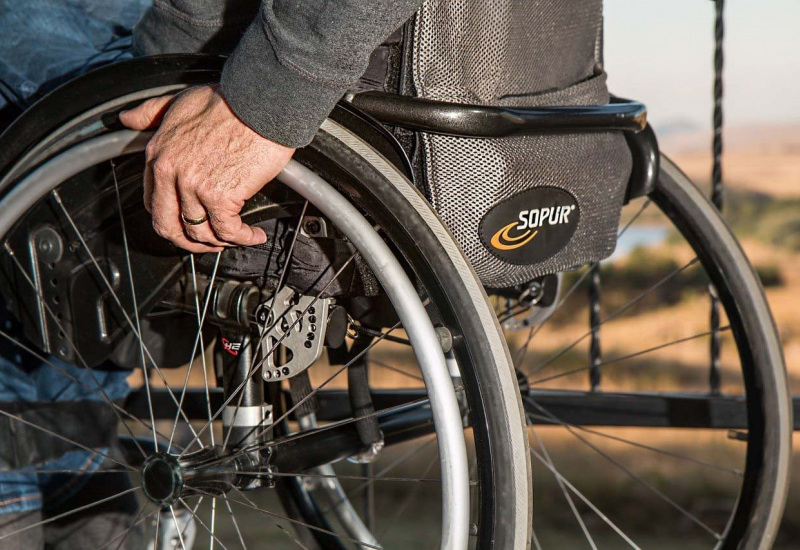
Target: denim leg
pixel 18 492
pixel 54 386
pixel 46 42
pixel 25 379
pixel 43 44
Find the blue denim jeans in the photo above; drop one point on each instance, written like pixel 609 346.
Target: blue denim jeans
pixel 43 43
pixel 23 378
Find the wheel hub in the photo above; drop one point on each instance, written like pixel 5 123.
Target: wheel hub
pixel 162 479
pixel 166 478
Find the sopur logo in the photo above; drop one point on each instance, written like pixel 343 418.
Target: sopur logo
pixel 527 223
pixel 531 226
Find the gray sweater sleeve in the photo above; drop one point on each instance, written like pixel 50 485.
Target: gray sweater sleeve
pixel 293 63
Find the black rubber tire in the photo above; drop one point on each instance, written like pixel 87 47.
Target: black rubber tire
pixel 769 403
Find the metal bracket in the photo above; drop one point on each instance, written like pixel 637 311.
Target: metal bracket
pixel 300 328
pixel 534 298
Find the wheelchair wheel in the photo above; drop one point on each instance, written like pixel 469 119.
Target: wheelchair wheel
pixel 648 424
pixel 373 420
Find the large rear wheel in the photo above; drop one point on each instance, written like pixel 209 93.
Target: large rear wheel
pixel 202 448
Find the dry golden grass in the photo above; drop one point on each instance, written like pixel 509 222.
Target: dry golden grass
pixel 757 158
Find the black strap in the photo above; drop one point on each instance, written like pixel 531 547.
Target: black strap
pixel 36 432
pixel 358 389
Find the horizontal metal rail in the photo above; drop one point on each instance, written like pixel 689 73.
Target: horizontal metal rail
pixel 656 410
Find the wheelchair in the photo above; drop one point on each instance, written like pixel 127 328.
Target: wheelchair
pixel 352 383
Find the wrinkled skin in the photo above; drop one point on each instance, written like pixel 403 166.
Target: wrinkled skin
pixel 203 161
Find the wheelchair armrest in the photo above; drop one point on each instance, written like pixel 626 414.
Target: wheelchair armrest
pixel 484 121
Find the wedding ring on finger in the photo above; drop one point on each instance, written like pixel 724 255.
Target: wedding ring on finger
pixel 193 221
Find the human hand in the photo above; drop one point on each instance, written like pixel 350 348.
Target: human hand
pixel 203 162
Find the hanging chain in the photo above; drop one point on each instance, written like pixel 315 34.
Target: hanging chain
pixel 719 59
pixel 717 189
pixel 595 355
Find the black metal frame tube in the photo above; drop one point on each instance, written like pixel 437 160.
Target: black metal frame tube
pixel 483 121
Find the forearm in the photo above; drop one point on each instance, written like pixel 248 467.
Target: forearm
pixel 193 26
pixel 298 57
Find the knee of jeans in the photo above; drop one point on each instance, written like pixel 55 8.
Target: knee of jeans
pixel 61 381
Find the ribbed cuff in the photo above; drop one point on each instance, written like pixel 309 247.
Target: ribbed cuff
pixel 271 98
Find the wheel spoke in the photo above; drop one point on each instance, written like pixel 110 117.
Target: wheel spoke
pixel 272 516
pixel 213 523
pixel 135 523
pixel 127 531
pixel 197 342
pixel 177 527
pixel 564 491
pixel 68 513
pixel 158 525
pixel 202 523
pixel 62 438
pixel 135 306
pixel 408 499
pixel 202 345
pixel 398 370
pixel 551 420
pixel 581 496
pixel 235 524
pixel 340 476
pixel 193 510
pixel 116 298
pixel 629 356
pixel 655 490
pixel 614 315
pixel 72 345
pixel 396 462
pixel 45 471
pixel 250 504
pixel 635 217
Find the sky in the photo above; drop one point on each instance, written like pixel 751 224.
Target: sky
pixel 660 52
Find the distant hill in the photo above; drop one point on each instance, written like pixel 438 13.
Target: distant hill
pixel 757 158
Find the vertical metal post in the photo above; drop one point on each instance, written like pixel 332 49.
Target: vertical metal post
pixel 595 354
pixel 242 418
pixel 717 189
pixel 368 470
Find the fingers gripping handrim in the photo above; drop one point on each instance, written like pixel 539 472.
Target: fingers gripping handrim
pixel 148 115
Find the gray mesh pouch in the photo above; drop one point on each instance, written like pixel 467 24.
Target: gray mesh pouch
pixel 565 191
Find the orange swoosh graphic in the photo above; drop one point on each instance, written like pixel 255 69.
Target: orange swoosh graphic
pixel 502 235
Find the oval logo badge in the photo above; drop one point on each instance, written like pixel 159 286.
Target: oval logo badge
pixel 531 226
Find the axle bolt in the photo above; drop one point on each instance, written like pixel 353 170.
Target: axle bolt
pixel 312 227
